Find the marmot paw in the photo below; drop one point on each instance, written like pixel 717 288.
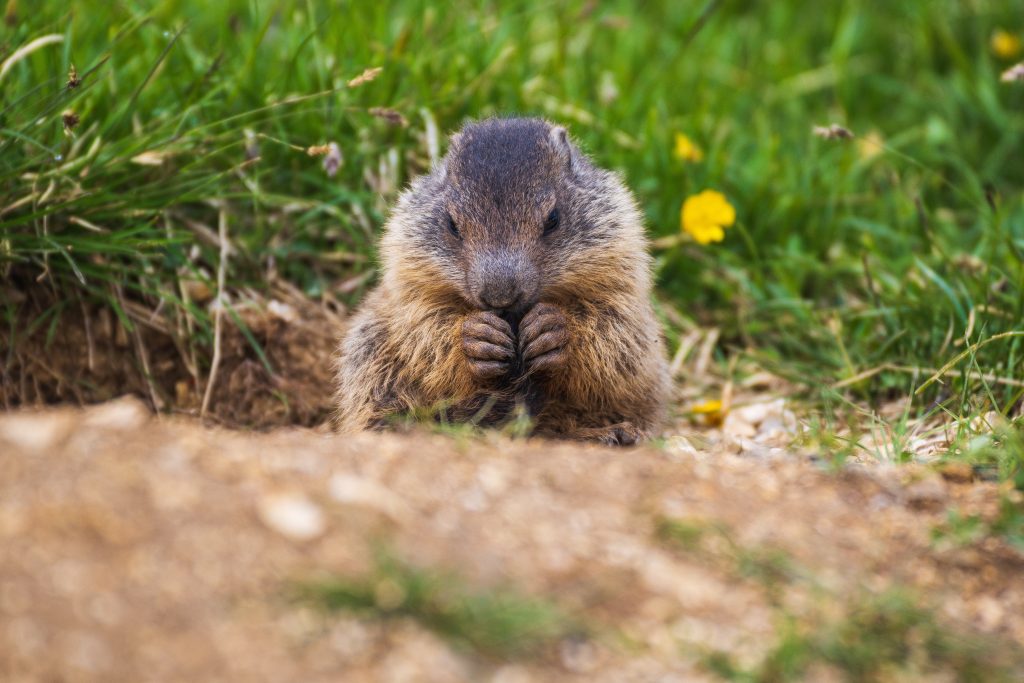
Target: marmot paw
pixel 488 344
pixel 622 434
pixel 543 335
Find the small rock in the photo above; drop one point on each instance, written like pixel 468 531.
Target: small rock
pixel 879 501
pixel 474 499
pixel 26 637
pixel 293 516
pixel 756 413
pixel 350 489
pixel 957 471
pixel 198 291
pixel 761 380
pixel 578 655
pixel 966 558
pixel 511 673
pixel 283 311
pixel 774 430
pixel 493 480
pixel 124 414
pixel 182 393
pixel 89 653
pixel 350 637
pixel 927 493
pixel 678 444
pixel 990 613
pixel 729 445
pixel 985 424
pixel 737 425
pixel 34 432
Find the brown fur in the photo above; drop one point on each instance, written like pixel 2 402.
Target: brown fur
pixel 578 344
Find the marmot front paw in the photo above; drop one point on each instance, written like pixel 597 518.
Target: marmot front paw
pixel 543 335
pixel 622 434
pixel 488 344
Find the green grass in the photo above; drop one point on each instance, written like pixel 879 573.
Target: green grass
pixel 871 269
pixel 864 637
pixel 769 568
pixel 994 452
pixel 495 623
pixel 888 637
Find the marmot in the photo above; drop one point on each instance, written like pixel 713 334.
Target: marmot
pixel 515 273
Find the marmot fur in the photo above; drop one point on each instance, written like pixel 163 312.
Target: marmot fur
pixel 515 273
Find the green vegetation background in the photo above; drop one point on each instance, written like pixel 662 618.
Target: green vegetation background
pixel 846 258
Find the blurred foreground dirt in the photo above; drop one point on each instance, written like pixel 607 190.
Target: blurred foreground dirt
pixel 134 548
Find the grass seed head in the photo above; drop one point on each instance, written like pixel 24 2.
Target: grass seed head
pixel 331 153
pixel 833 132
pixel 70 120
pixel 332 160
pixel 73 80
pixel 390 115
pixel 252 144
pixel 365 77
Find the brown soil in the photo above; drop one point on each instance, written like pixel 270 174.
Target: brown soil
pixel 87 355
pixel 136 548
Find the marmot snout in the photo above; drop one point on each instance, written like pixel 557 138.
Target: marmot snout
pixel 514 273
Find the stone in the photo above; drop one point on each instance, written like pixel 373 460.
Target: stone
pixel 293 516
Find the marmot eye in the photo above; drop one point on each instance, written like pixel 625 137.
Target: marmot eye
pixel 453 229
pixel 551 224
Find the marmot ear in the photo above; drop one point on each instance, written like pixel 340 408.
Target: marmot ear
pixel 559 137
pixel 442 165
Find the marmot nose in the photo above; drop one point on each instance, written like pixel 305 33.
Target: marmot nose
pixel 496 281
pixel 499 298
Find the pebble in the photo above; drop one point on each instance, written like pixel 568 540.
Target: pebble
pixel 198 291
pixel 738 427
pixel 990 613
pixel 124 414
pixel 755 413
pixel 511 673
pixel 678 445
pixel 34 432
pixel 283 311
pixel 929 492
pixel 957 471
pixel 578 655
pixel 354 490
pixel 492 478
pixel 292 516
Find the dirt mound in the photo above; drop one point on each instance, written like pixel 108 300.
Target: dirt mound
pixel 275 368
pixel 134 548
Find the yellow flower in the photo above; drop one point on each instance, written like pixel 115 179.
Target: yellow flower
pixel 710 411
pixel 870 146
pixel 705 216
pixel 687 149
pixel 1004 44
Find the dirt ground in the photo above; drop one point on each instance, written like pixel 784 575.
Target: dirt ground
pixel 275 367
pixel 144 548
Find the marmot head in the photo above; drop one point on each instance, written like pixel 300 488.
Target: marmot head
pixel 512 214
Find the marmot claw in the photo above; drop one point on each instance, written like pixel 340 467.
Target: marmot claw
pixel 543 335
pixel 488 344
